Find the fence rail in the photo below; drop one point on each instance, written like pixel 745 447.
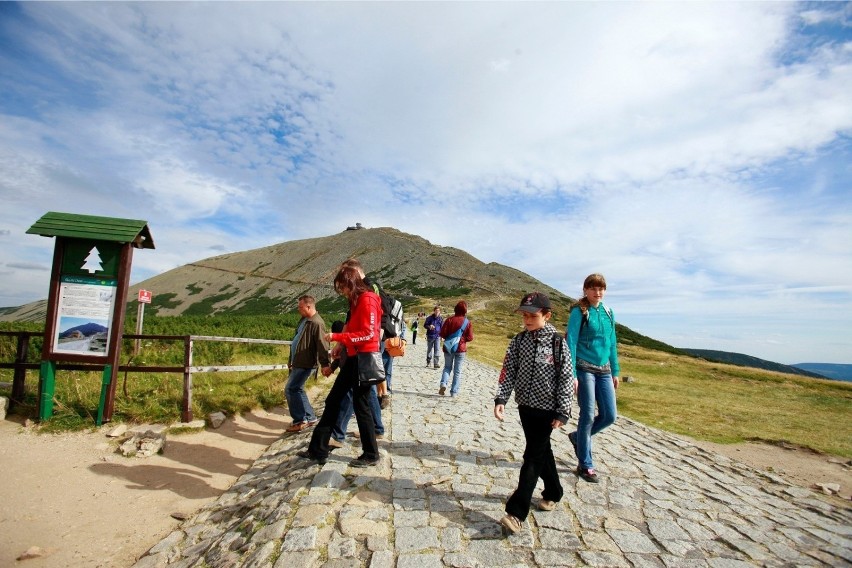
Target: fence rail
pixel 21 366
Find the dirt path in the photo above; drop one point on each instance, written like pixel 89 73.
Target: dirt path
pixel 84 505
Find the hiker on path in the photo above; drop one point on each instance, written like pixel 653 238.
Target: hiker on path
pixel 432 325
pixel 537 366
pixel 459 325
pixel 591 338
pixel 414 325
pixel 308 347
pixel 360 336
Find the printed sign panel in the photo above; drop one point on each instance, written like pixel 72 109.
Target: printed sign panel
pixel 145 296
pixel 84 315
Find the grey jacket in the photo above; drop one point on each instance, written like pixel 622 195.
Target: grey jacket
pixel 312 346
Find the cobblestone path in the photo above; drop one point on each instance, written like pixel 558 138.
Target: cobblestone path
pixel 448 467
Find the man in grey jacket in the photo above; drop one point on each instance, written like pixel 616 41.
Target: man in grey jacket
pixel 308 347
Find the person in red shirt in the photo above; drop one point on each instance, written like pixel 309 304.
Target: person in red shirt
pixel 457 325
pixel 361 335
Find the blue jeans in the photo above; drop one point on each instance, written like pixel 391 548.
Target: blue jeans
pixel 387 360
pixel 453 362
pixel 593 389
pixel 433 345
pixel 338 431
pixel 297 399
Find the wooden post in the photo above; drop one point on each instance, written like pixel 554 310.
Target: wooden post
pixel 186 411
pixel 117 328
pixel 20 374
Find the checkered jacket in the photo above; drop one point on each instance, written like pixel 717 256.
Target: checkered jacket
pixel 538 368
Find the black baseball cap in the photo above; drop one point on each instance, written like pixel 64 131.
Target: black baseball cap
pixel 534 302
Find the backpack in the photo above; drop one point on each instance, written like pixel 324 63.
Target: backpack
pixel 391 313
pixel 451 343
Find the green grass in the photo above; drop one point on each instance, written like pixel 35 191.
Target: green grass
pixel 729 404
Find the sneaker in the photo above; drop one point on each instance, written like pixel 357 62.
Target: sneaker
pixel 384 401
pixel 380 436
pixel 436 365
pixel 311 423
pixel 572 437
pixel 355 434
pixel 428 364
pixel 308 455
pixel 588 474
pixel 297 427
pixel 511 524
pixel 332 443
pixel 442 390
pixel 361 461
pixel 545 505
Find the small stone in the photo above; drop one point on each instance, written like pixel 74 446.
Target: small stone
pixel 32 552
pixel 828 488
pixel 118 431
pixel 217 419
pixel 179 516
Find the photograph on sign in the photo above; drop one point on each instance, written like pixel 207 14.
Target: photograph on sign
pixel 84 316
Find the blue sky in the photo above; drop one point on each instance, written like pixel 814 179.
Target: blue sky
pixel 697 154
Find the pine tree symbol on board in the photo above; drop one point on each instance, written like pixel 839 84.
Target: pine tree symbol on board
pixel 93 261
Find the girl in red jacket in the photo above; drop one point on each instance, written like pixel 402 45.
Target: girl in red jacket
pixel 361 335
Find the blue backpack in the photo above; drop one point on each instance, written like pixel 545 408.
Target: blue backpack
pixel 451 344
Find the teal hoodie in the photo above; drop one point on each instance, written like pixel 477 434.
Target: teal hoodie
pixel 597 345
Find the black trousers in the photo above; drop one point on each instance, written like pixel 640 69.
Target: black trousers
pixel 347 379
pixel 538 462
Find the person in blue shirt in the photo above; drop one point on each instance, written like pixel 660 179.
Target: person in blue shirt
pixel 432 325
pixel 592 342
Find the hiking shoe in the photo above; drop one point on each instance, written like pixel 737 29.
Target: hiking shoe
pixel 308 455
pixel 332 443
pixel 384 401
pixel 572 437
pixel 428 364
pixel 297 427
pixel 361 461
pixel 588 474
pixel 511 524
pixel 545 505
pixel 442 390
pixel 380 436
pixel 436 365
pixel 311 423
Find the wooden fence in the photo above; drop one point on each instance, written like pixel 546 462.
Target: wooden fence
pixel 20 365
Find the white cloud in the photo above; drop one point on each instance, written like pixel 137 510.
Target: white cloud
pixel 696 153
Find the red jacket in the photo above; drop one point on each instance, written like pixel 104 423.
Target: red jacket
pixel 364 327
pixel 452 324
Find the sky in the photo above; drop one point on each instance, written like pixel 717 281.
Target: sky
pixel 697 154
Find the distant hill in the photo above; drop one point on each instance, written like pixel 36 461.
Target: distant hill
pixel 270 280
pixel 831 370
pixel 749 361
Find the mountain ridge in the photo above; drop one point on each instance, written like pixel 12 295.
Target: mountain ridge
pixel 270 279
